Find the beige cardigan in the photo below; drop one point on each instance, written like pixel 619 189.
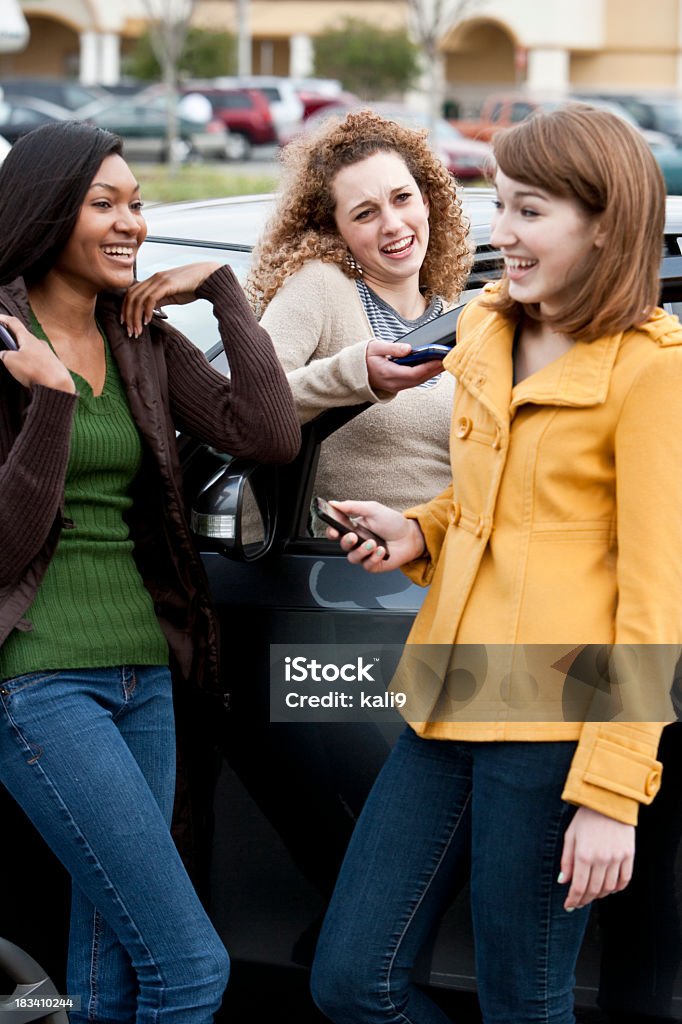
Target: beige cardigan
pixel 396 453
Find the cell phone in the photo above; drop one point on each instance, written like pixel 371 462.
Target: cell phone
pixel 439 332
pixel 7 339
pixel 334 517
pixel 425 354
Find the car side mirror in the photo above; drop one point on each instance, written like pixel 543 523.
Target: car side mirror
pixel 33 986
pixel 235 512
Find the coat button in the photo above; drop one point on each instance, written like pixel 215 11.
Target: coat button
pixel 463 427
pixel 653 782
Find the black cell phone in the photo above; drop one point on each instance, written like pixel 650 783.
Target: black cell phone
pixel 7 339
pixel 440 331
pixel 334 517
pixel 425 354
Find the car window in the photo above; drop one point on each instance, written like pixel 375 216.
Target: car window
pixel 75 96
pixel 519 111
pixel 496 112
pixel 232 101
pixel 195 320
pixel 270 92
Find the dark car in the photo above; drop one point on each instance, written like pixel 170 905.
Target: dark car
pixel 21 114
pixel 288 791
pixel 141 121
pixel 65 92
pixel 246 113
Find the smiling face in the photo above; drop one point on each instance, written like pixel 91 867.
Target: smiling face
pixel 545 240
pixel 100 253
pixel 383 219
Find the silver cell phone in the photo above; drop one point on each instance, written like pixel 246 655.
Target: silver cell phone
pixel 7 339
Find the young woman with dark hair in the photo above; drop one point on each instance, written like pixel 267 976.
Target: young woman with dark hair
pixel 102 593
pixel 553 553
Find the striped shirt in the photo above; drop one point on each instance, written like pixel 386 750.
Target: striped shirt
pixel 389 325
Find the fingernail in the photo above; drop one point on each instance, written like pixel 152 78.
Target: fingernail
pixel 569 910
pixel 560 878
pixel 368 545
pixel 380 552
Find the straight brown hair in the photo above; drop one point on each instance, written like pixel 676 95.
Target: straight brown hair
pixel 603 163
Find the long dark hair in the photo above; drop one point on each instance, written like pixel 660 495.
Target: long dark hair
pixel 43 183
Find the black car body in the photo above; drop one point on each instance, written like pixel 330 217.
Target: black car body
pixel 287 793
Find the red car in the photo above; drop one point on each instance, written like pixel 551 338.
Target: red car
pixel 245 112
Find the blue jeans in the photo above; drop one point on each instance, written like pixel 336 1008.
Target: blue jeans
pixel 89 754
pixel 436 807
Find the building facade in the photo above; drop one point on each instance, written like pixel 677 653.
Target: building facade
pixel 558 45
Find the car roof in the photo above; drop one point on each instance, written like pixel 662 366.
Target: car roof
pixel 237 222
pixel 245 216
pixel 41 106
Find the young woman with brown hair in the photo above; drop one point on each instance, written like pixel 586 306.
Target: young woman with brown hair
pixel 561 528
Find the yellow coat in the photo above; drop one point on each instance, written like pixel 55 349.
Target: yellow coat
pixel 528 546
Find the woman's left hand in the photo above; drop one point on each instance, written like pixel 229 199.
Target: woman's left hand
pixel 597 858
pixel 176 286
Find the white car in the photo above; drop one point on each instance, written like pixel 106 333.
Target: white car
pixel 286 105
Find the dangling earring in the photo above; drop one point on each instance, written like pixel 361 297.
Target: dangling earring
pixel 353 264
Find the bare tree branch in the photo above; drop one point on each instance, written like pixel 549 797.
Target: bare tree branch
pixel 429 22
pixel 168 24
pixel 430 19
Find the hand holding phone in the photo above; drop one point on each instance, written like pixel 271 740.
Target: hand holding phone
pixel 7 339
pixel 340 522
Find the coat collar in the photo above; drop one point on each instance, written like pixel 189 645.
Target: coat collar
pixel 483 365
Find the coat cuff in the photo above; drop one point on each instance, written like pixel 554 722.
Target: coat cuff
pixel 612 778
pixel 421 570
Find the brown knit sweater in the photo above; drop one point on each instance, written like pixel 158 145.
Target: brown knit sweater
pixel 170 386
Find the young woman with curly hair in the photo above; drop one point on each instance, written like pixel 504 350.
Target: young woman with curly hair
pixel 367 242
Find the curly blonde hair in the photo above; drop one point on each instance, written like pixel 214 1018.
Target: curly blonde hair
pixel 303 227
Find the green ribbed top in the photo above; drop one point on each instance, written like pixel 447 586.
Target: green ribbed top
pixel 92 609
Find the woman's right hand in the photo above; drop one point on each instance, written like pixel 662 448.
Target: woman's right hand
pixel 404 539
pixel 386 375
pixel 34 362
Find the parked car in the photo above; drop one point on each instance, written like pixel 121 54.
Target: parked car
pixel 21 114
pixel 65 92
pixel 287 587
pixel 285 105
pixel 466 159
pixel 653 113
pixel 669 158
pixel 244 112
pixel 290 588
pixel 141 120
pixel 503 110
